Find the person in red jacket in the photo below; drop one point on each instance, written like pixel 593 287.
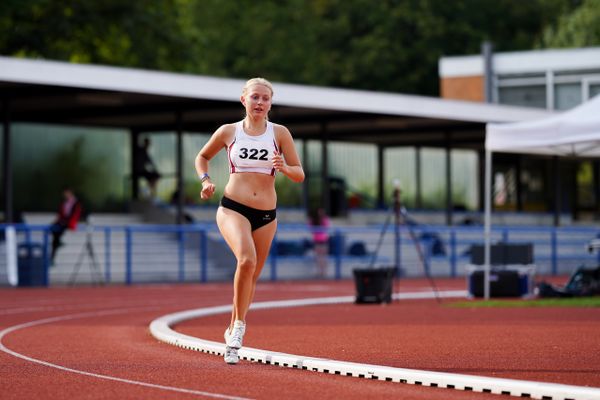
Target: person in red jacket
pixel 67 218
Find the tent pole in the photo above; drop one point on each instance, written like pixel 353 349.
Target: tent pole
pixel 487 223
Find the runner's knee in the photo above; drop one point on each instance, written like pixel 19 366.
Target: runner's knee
pixel 247 265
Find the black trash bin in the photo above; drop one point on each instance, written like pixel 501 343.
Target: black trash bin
pixel 338 204
pixel 503 283
pixel 374 285
pixel 31 265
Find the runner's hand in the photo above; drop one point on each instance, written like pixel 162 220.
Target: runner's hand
pixel 208 189
pixel 278 162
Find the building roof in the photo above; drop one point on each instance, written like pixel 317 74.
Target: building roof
pixel 523 62
pixel 53 92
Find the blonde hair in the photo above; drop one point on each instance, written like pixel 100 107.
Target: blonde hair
pixel 257 81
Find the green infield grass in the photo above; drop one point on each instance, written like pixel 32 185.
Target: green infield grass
pixel 593 301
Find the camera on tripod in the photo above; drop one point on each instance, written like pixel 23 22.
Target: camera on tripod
pixel 88 250
pixel 374 285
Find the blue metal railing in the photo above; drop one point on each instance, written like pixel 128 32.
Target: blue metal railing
pixel 197 253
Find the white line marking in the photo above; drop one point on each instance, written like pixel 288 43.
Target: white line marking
pixel 91 374
pixel 75 307
pixel 161 329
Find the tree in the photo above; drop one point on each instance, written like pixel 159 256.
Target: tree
pixel 387 45
pixel 580 28
pixel 136 34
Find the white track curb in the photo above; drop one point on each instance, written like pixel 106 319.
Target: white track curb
pixel 161 330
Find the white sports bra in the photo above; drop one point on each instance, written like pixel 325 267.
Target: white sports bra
pixel 252 153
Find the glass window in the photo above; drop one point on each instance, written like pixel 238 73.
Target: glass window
pixel 594 89
pixel 465 180
pixel 399 163
pixel 357 164
pixel 504 187
pixel 70 154
pixel 585 185
pixel 567 95
pixel 533 184
pixel 526 96
pixel 433 178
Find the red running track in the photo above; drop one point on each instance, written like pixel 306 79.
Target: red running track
pixel 99 347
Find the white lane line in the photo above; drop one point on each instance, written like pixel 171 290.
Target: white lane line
pixel 161 329
pixel 94 314
pixel 87 305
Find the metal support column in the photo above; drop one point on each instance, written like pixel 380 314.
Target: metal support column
pixel 557 189
pixel 7 177
pixel 134 136
pixel 449 202
pixel 325 200
pixel 519 186
pixel 307 177
pixel 179 166
pixel 596 172
pixel 481 175
pixel 380 177
pixel 418 186
pixel 488 56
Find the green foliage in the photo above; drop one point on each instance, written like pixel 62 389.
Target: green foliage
pixel 512 303
pixel 579 28
pixel 137 34
pixel 388 45
pixel 384 45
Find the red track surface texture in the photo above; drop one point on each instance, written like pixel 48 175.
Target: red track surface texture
pixel 97 344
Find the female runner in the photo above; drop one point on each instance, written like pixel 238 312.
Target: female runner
pixel 257 149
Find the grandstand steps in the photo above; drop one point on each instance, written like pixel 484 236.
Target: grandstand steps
pixel 154 258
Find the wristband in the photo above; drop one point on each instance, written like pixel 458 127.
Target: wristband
pixel 204 177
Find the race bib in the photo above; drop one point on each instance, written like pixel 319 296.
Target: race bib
pixel 253 155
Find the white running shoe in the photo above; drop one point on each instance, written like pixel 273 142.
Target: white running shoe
pixel 234 337
pixel 231 355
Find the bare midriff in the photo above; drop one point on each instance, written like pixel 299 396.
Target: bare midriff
pixel 252 189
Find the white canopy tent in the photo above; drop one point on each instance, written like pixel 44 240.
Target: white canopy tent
pixel 573 133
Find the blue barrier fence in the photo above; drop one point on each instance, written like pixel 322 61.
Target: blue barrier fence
pixel 197 253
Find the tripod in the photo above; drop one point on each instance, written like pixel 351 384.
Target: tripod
pixel 401 214
pixel 87 249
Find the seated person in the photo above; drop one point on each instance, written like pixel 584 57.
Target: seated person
pixel 68 216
